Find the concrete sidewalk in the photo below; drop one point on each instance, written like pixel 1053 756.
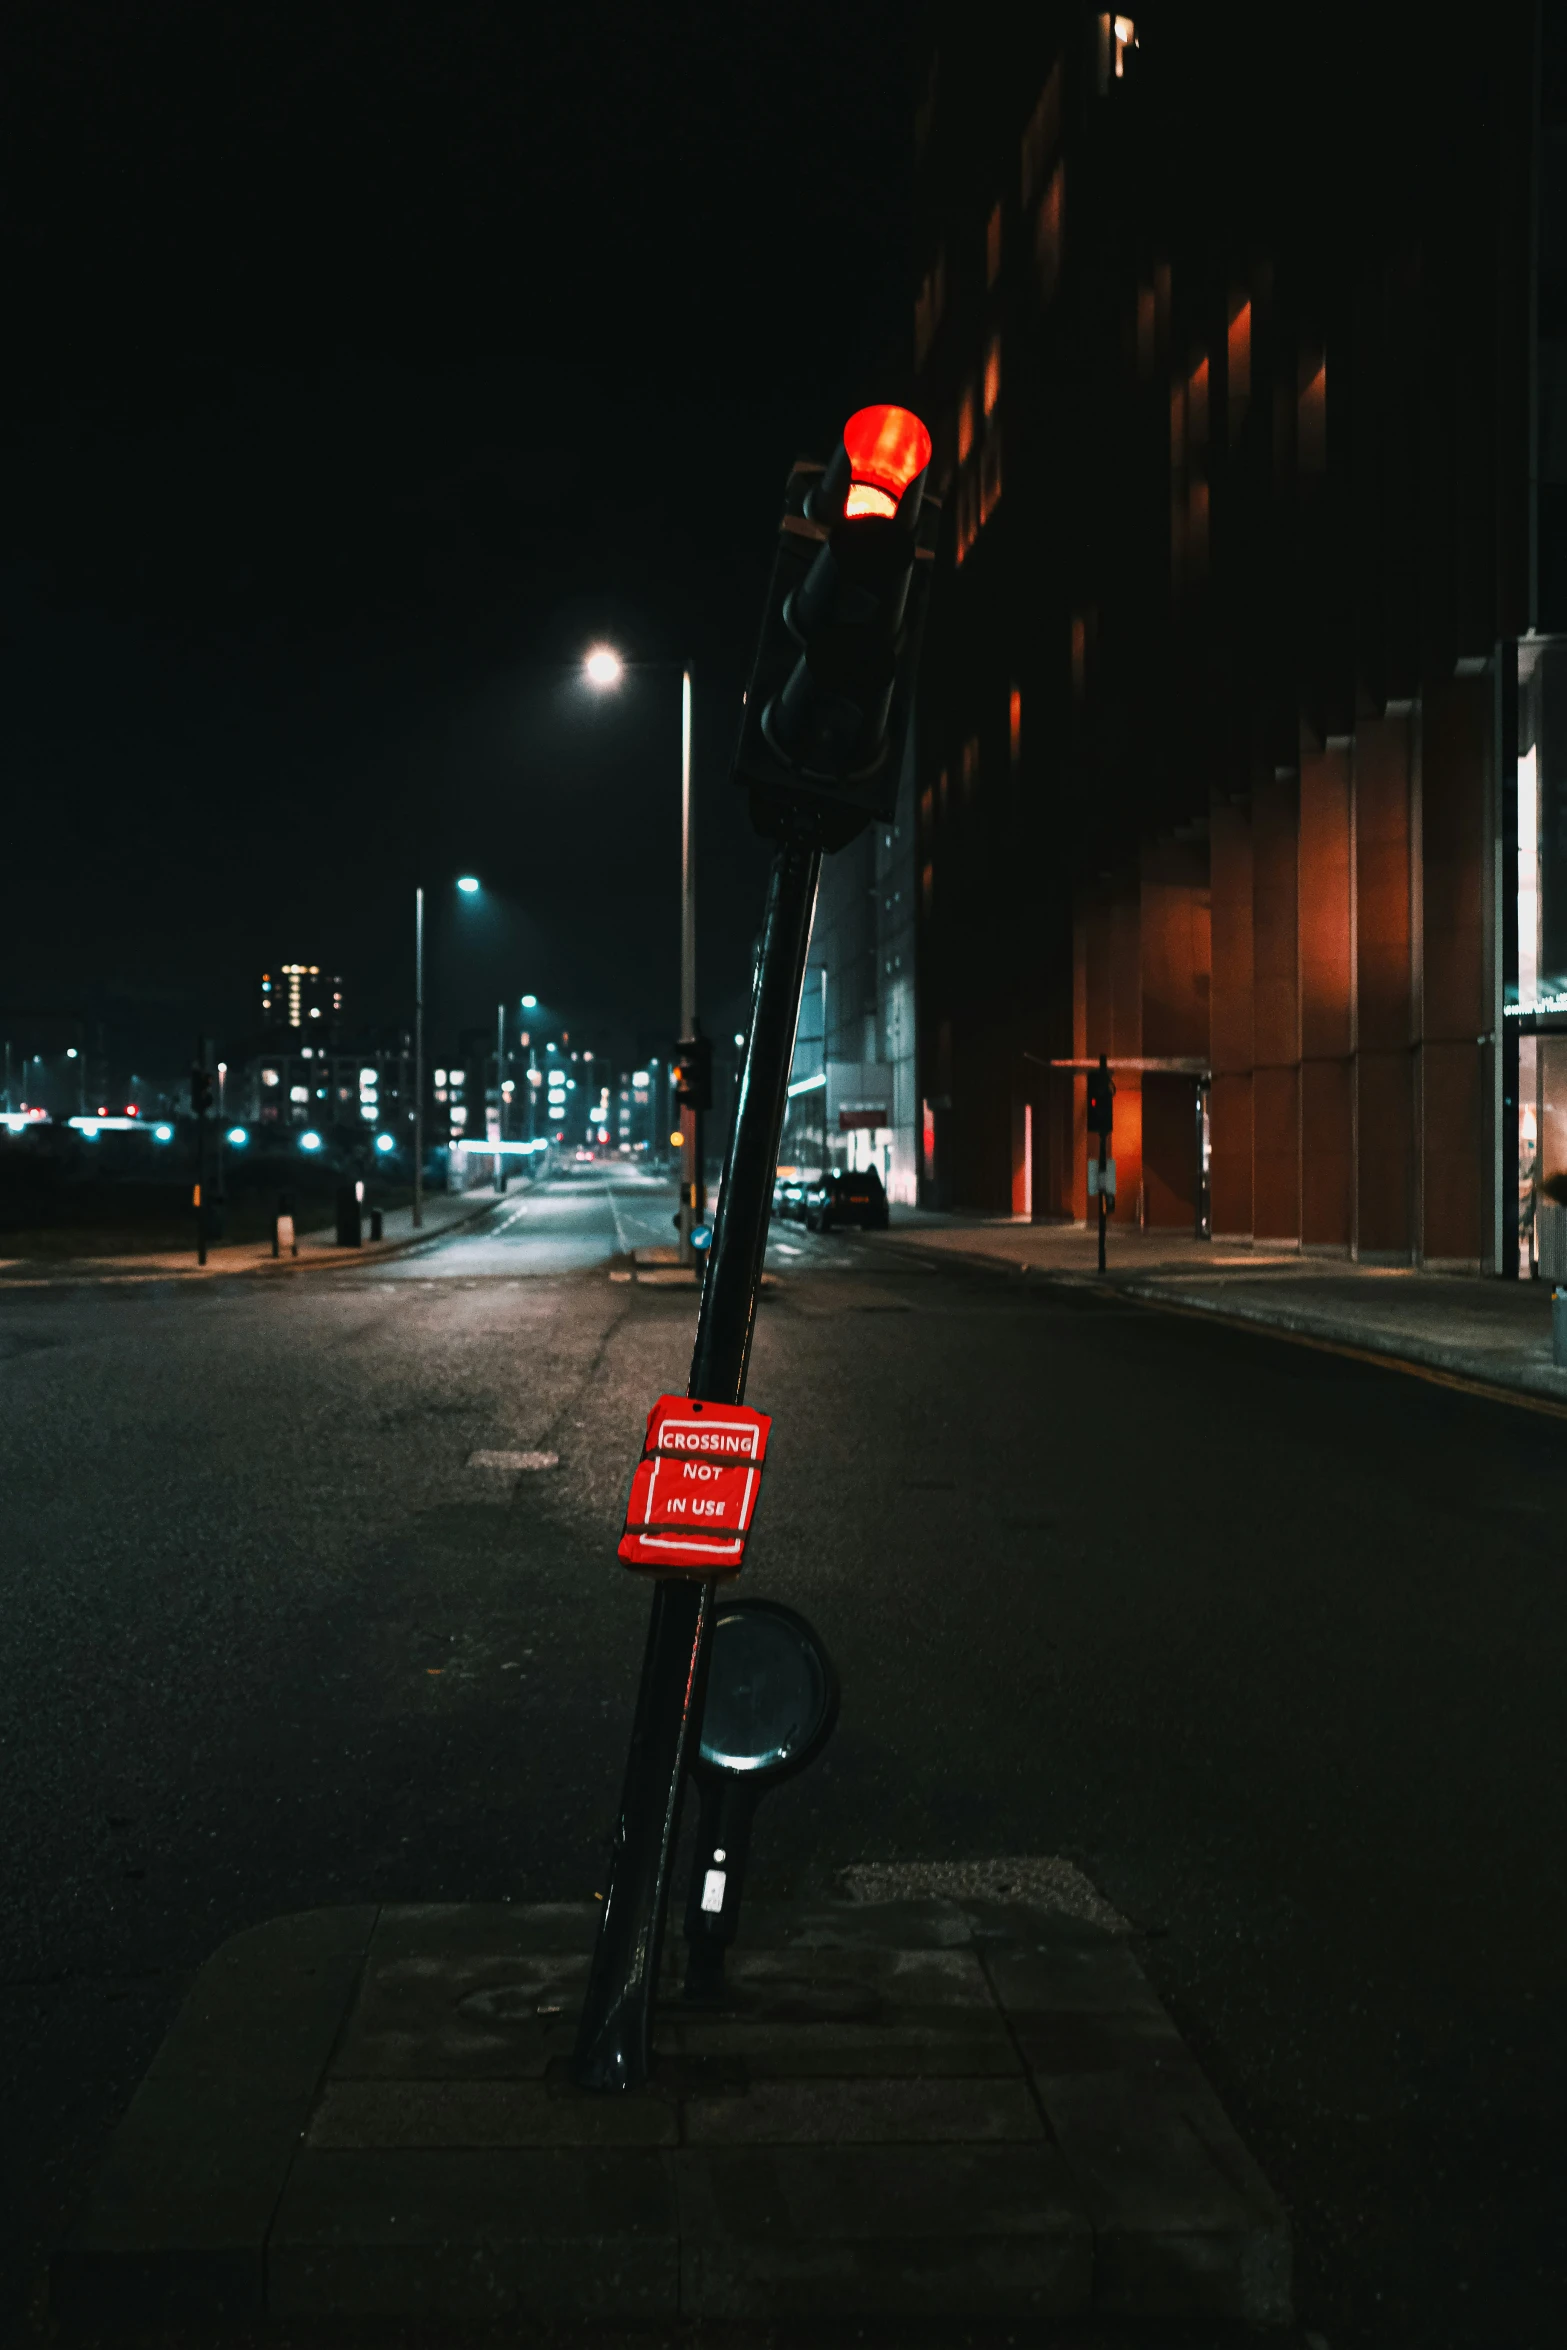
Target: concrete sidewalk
pixel 318 1251
pixel 932 2109
pixel 1486 1333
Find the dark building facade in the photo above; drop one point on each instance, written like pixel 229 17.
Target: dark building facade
pixel 1240 338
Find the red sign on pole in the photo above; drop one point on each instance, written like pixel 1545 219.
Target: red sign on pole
pixel 694 1491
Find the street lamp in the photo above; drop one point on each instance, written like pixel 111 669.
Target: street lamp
pixel 469 888
pixel 604 669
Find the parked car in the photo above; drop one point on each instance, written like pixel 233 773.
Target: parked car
pixel 788 1199
pixel 845 1196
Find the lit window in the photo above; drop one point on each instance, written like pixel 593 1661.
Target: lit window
pixel 299 1093
pixel 929 303
pixel 369 1110
pixel 440 1076
pixel 269 1077
pixel 992 374
pixel 993 245
pixel 1041 137
pixel 367 1077
pixel 1238 369
pixel 1117 34
pixel 440 1093
pixel 927 888
pixel 990 474
pixel 1047 236
pixel 459 1116
pixel 1015 725
pixel 927 808
pixel 457 1077
pixel 965 423
pixel 1197 404
pixel 1312 442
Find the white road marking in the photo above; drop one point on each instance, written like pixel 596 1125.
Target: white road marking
pixel 514 1460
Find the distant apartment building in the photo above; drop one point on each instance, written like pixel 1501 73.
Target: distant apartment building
pixel 1242 750
pixel 301 996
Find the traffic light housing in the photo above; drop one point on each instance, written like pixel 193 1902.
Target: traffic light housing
pixel 693 1073
pixel 832 688
pixel 200 1089
pixel 1101 1100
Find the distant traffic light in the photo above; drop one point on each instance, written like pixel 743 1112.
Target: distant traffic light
pixel 201 1096
pixel 831 692
pixel 693 1073
pixel 1101 1100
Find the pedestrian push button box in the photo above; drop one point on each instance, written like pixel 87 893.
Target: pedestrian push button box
pixel 694 1491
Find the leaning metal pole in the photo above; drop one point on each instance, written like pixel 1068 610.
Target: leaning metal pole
pixel 615 2037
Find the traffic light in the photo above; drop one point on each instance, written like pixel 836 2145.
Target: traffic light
pixel 1101 1100
pixel 200 1089
pixel 827 710
pixel 693 1073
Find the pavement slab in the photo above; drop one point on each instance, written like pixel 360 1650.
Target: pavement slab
pixel 964 2111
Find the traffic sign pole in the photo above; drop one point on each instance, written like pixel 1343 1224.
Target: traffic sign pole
pixel 614 2039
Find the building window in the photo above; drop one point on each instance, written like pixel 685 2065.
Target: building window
pixel 927 810
pixel 269 1077
pixel 1197 405
pixel 1015 727
pixel 1144 331
pixel 927 886
pixel 965 423
pixel 929 304
pixel 993 245
pixel 1312 424
pixel 1238 367
pixel 990 473
pixel 992 374
pixel 1048 234
pixel 1042 137
pixel 1117 34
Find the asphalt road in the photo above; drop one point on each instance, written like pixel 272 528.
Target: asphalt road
pixel 1272 1644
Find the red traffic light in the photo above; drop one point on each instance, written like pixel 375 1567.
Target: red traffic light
pixel 886 448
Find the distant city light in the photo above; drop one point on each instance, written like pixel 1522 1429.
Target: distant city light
pixel 70 1052
pixel 467 884
pixel 310 1140
pixel 163 1134
pixel 739 1039
pixel 368 1077
pixel 530 1003
pixel 604 666
pixel 676 1140
pixel 238 1136
pixel 384 1142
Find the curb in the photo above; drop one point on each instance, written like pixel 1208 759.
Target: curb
pixel 320 1260
pixel 1413 1358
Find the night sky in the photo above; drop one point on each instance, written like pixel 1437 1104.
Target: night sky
pixel 365 364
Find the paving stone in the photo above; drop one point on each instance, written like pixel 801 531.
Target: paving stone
pixel 374 2114
pixel 177 2221
pixel 868 2112
pixel 573 2233
pixel 839 2232
pixel 906 2109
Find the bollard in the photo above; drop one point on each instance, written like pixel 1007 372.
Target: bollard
pixel 375 1223
pixel 349 1230
pixel 285 1242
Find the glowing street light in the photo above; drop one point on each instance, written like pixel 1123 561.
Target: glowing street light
pixel 467 884
pixel 604 666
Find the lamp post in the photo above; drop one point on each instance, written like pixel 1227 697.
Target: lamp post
pixel 604 669
pixel 469 888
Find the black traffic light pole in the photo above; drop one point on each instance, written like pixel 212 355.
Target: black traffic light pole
pixel 615 2037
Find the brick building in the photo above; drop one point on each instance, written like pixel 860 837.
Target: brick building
pixel 1239 339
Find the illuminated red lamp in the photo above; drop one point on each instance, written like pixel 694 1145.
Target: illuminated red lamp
pixel 886 448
